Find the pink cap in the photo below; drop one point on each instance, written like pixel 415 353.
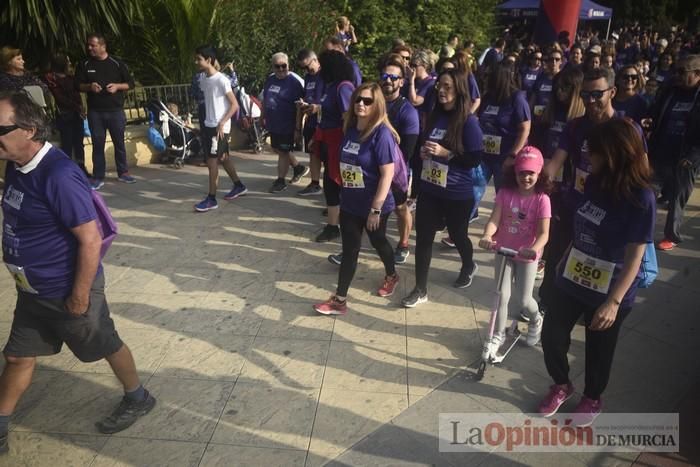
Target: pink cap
pixel 529 159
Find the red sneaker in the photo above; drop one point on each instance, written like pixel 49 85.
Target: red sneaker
pixel 332 306
pixel 447 241
pixel 666 245
pixel 389 285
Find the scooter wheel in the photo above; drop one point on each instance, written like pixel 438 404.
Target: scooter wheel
pixel 258 148
pixel 480 372
pixel 178 164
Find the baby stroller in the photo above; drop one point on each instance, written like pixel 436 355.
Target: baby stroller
pixel 181 142
pixel 249 119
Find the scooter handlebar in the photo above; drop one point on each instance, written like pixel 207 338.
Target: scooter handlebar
pixel 507 252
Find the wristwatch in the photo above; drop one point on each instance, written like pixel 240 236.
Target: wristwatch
pixel 375 212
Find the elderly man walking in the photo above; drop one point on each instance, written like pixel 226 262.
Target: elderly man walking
pixel 51 246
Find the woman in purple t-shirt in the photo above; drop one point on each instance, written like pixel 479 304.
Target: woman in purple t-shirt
pixel 628 101
pixel 366 171
pixel 519 221
pixel 599 275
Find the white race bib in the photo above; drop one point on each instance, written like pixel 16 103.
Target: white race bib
pixel 589 272
pixel 492 144
pixel 20 277
pixel 352 176
pixel 434 172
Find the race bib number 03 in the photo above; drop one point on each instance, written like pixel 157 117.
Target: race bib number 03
pixel 352 176
pixel 435 173
pixel 580 181
pixel 20 277
pixel 492 144
pixel 589 272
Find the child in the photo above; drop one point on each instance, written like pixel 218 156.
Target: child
pixel 221 105
pixel 520 221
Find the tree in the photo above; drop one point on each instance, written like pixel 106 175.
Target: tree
pixel 42 27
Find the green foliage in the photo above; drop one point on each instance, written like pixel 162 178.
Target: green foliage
pixel 42 27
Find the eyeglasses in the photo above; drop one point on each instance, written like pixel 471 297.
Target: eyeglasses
pixel 596 95
pixel 634 77
pixel 280 66
pixel 367 101
pixel 406 57
pixel 388 77
pixel 7 129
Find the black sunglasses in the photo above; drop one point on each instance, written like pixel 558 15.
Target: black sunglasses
pixel 280 66
pixel 7 129
pixel 389 76
pixel 596 95
pixel 634 77
pixel 365 100
pixel 406 57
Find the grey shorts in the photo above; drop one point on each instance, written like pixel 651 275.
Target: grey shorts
pixel 42 325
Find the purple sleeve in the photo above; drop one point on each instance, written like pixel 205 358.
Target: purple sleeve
pixel 345 91
pixel 567 137
pixel 70 197
pixel 472 137
pixel 640 228
pixel 521 109
pixel 410 124
pixel 384 146
pixel 473 87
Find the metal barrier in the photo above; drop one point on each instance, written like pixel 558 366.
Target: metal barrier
pixel 136 99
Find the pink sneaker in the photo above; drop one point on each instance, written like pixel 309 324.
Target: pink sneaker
pixel 558 394
pixel 332 306
pixel 389 285
pixel 586 411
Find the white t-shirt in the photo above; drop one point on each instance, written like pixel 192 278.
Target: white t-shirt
pixel 215 88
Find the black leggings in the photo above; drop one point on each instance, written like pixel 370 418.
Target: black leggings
pixel 331 190
pixel 433 214
pixel 351 228
pixel 559 321
pixel 561 233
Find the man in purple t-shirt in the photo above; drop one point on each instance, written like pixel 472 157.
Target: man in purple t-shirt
pixel 51 246
pixel 282 91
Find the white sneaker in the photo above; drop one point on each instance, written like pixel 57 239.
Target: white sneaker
pixel 534 330
pixel 492 346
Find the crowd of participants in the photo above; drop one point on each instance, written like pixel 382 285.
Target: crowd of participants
pixel 579 145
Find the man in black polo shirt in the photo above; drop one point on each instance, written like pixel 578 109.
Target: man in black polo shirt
pixel 105 79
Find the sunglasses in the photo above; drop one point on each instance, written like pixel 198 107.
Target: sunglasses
pixel 406 57
pixel 280 66
pixel 389 77
pixel 596 95
pixel 7 129
pixel 367 101
pixel 630 77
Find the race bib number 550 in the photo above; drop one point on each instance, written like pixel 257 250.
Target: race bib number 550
pixel 589 272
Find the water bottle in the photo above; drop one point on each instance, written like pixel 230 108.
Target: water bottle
pixel 214 144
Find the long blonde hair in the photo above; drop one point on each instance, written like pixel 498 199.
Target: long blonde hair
pixel 377 117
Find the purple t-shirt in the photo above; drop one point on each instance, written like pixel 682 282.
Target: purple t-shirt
pixel 404 119
pixel 520 216
pixel 313 88
pixel 359 169
pixel 39 208
pixel 542 90
pixel 602 229
pixel 459 183
pixel 335 101
pixel 499 123
pixel 473 87
pixel 357 74
pixel 280 109
pixel 554 132
pixel 635 108
pixel 426 89
pixel 528 77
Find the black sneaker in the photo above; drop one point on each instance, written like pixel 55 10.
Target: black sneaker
pixel 465 280
pixel 401 254
pixel 310 190
pixel 416 297
pixel 4 443
pixel 335 259
pixel 329 233
pixel 126 413
pixel 278 185
pixel 299 171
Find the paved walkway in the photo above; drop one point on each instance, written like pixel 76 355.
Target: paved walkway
pixel 216 308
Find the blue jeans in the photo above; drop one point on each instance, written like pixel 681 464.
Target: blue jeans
pixel 101 121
